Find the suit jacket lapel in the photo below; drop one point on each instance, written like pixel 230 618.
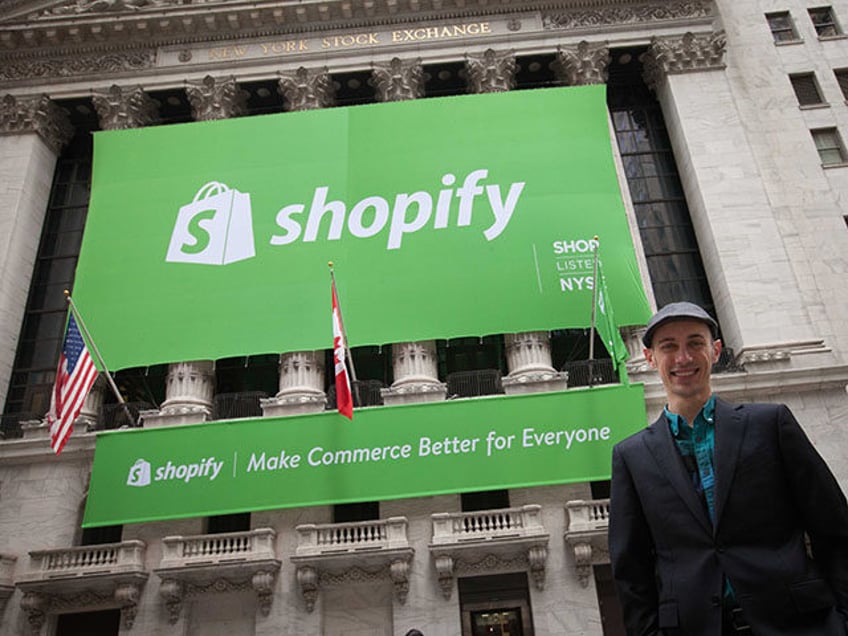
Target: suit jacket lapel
pixel 661 445
pixel 729 433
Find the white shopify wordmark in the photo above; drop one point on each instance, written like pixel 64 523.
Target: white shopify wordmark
pixel 214 229
pixel 409 213
pixel 141 473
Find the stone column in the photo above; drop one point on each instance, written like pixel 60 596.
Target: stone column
pixel 753 275
pixel 213 99
pixel 92 407
pixel 301 372
pixel 528 355
pixel 414 364
pixel 582 64
pixel 33 131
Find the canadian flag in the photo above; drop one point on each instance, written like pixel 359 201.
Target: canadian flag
pixel 344 399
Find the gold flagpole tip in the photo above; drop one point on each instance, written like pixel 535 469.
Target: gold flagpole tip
pixel 330 264
pixel 596 237
pixel 67 293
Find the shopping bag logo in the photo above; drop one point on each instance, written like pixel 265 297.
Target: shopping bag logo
pixel 214 229
pixel 139 473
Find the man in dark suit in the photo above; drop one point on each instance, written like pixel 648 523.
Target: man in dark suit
pixel 712 504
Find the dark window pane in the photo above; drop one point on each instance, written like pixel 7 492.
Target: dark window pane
pixel 806 89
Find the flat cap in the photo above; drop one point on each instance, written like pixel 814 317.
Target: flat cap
pixel 678 311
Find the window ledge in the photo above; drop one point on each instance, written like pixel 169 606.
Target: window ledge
pixel 788 42
pixel 840 36
pixel 814 106
pixel 829 166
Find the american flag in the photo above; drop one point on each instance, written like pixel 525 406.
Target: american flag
pixel 74 378
pixel 344 399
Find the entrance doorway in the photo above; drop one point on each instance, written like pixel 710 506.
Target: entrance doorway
pixel 497 605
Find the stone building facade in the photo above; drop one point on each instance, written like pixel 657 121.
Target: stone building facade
pixel 728 117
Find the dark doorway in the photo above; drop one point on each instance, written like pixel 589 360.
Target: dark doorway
pixel 103 623
pixel 497 605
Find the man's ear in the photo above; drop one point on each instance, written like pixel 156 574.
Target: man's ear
pixel 649 356
pixel 716 349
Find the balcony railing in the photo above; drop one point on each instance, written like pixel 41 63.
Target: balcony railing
pixel 232 406
pixel 586 533
pixel 212 549
pixel 10 424
pixel 588 516
pixel 365 393
pixel 474 383
pixel 590 372
pixel 487 525
pixel 335 538
pixel 114 416
pixel 87 560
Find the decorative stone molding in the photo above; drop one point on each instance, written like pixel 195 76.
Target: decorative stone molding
pixel 780 352
pixel 122 108
pixel 213 99
pixel 396 80
pixel 76 7
pixel 489 541
pixel 491 72
pixel 21 115
pixel 84 578
pixel 7 587
pixel 301 385
pixel 586 533
pixel 77 65
pixel 307 89
pixel 582 64
pixel 339 553
pixel 685 54
pixel 415 367
pixel 600 17
pixel 636 362
pixel 215 563
pixel 528 357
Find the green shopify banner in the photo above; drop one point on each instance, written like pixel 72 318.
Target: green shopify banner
pixel 385 453
pixel 444 217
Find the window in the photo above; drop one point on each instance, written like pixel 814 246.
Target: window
pixel 829 145
pixel 806 89
pixel 824 22
pixel 782 29
pixel 842 78
pixel 236 522
pixel 495 605
pixel 353 512
pixel 485 500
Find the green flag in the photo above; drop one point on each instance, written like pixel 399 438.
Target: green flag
pixel 605 319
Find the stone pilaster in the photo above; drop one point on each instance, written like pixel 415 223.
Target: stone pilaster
pixel 307 89
pixel 189 390
pixel 33 131
pixel 416 372
pixel 398 80
pixel 119 108
pixel 684 54
pixel 37 115
pixel 301 385
pixel 528 358
pixel 491 71
pixel 582 64
pixel 213 98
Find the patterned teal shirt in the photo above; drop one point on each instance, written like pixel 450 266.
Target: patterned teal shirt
pixel 698 442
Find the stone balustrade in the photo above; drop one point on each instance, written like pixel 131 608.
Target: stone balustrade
pixel 210 549
pixel 87 560
pixel 487 525
pixel 333 538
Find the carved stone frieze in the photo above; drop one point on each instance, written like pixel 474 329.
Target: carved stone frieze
pixel 647 12
pixel 35 114
pixel 120 108
pixel 534 558
pixel 398 80
pixel 175 591
pixel 81 64
pixel 78 7
pixel 684 54
pixel 491 71
pixel 307 89
pixel 582 64
pixel 213 99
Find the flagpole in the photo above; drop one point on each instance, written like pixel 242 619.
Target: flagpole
pixel 594 309
pixel 108 375
pixel 344 337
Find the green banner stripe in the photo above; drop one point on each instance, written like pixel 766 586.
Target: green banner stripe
pixel 384 453
pixel 444 217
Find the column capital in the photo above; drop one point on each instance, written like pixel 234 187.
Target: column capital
pixel 216 98
pixel 582 64
pixel 307 89
pixel 120 108
pixel 683 54
pixel 398 80
pixel 36 114
pixel 491 71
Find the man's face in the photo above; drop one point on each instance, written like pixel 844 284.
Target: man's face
pixel 683 352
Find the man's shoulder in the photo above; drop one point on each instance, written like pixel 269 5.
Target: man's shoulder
pixel 750 408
